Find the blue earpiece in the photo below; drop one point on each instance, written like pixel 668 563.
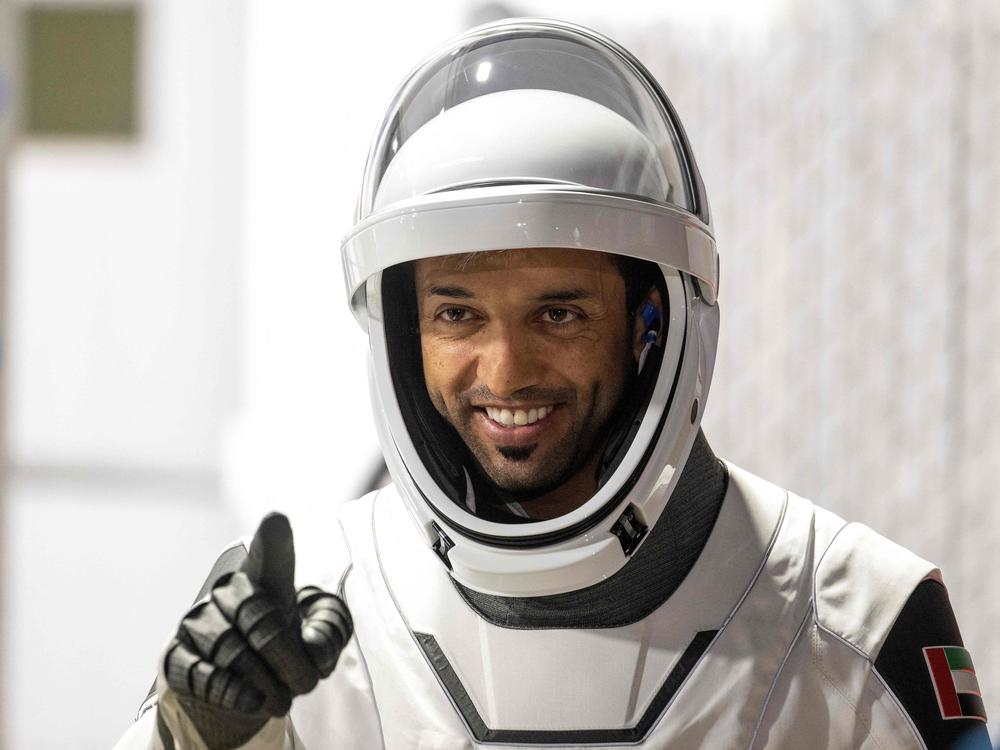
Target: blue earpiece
pixel 651 319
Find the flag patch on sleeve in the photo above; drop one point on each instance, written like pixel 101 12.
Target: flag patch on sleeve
pixel 955 682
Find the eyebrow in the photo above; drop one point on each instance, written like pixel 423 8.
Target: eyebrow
pixel 450 291
pixel 554 295
pixel 564 295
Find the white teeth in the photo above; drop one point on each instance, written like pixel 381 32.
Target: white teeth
pixel 517 417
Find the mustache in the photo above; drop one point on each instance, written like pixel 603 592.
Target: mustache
pixel 532 393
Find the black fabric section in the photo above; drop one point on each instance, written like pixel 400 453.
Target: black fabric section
pixel 639 391
pixel 482 733
pixel 647 580
pixel 926 620
pixel 165 736
pixel 229 562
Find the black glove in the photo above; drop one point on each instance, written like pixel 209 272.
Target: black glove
pixel 239 658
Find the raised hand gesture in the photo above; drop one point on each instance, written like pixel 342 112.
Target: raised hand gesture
pixel 240 657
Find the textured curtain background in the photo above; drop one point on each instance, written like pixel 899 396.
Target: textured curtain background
pixel 851 156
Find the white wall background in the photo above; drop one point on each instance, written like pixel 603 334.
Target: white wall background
pixel 125 265
pixel 123 363
pixel 7 62
pixel 317 81
pixel 181 357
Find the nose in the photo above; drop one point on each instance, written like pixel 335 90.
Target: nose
pixel 507 362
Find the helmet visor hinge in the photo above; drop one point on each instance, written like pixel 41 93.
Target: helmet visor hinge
pixel 629 530
pixel 442 546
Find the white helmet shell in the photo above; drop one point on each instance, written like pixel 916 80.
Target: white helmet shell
pixel 537 134
pixel 521 137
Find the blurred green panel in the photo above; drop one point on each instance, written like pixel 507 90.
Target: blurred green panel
pixel 81 70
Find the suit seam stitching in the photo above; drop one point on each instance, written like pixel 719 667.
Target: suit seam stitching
pixel 342 583
pixel 760 567
pixel 778 673
pixel 819 565
pixel 818 663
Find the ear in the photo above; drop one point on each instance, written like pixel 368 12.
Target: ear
pixel 639 326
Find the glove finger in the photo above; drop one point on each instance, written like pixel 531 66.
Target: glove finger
pixel 191 676
pixel 286 655
pixel 271 633
pixel 271 560
pixel 314 600
pixel 208 633
pixel 326 627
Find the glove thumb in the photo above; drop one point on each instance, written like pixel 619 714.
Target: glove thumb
pixel 271 561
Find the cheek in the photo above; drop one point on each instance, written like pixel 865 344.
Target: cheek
pixel 600 359
pixel 444 368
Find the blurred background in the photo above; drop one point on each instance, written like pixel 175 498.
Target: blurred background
pixel 178 357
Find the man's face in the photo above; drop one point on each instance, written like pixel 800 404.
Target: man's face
pixel 526 353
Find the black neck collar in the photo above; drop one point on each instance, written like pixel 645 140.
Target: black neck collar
pixel 647 580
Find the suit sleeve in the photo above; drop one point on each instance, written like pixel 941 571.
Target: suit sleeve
pixel 924 663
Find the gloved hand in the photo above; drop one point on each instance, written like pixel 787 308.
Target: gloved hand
pixel 241 656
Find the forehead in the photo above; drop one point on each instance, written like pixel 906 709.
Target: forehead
pixel 551 264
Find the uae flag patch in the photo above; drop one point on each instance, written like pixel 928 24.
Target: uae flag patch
pixel 955 682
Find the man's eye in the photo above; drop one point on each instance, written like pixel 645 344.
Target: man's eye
pixel 455 314
pixel 559 315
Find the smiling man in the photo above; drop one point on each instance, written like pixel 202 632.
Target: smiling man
pixel 527 355
pixel 561 560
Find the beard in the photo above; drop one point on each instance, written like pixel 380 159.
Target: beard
pixel 529 471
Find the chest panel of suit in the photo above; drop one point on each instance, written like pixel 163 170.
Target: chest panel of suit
pixel 697 670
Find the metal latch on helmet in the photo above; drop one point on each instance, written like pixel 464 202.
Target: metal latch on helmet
pixel 629 530
pixel 442 546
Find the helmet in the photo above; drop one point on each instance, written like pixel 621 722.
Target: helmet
pixel 531 133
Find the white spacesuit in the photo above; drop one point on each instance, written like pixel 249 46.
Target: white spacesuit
pixel 685 603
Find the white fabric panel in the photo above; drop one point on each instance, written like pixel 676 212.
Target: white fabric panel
pixel 141 735
pixel 806 712
pixel 341 712
pixel 862 583
pixel 728 689
pixel 321 553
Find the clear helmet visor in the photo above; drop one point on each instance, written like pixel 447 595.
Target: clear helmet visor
pixel 580 415
pixel 493 109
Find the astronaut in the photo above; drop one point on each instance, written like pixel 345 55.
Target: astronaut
pixel 560 560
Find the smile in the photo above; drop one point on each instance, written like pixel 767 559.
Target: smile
pixel 517 417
